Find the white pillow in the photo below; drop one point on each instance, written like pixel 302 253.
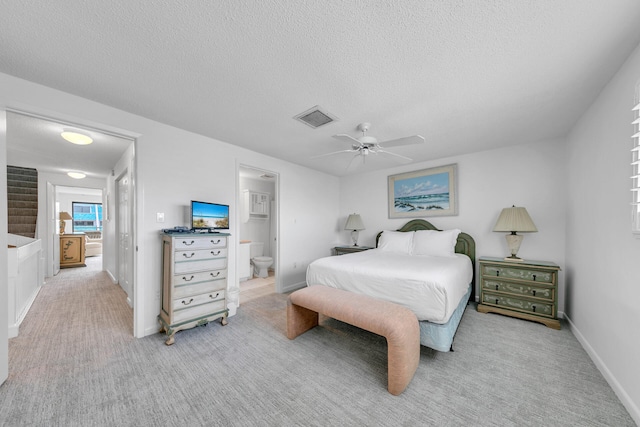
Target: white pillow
pixel 396 241
pixel 435 243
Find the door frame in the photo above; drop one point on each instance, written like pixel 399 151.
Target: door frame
pixel 275 222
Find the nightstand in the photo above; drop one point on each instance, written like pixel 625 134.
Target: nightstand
pixel 526 290
pixel 342 250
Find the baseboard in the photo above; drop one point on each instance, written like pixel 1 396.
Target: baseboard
pixel 292 287
pixel 627 402
pixel 112 277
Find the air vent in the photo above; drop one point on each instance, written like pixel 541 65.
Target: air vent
pixel 316 117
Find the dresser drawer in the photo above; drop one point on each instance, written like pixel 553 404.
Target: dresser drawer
pixel 192 242
pixel 183 291
pixel 195 300
pixel 198 254
pixel 194 266
pixel 530 274
pixel 519 288
pixel 197 277
pixel 202 310
pixel 526 306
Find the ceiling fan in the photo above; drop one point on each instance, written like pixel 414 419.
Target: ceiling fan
pixel 366 145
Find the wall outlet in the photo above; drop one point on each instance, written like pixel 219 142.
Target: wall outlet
pixel 160 217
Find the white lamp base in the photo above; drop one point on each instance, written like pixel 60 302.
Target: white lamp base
pixel 513 242
pixel 354 237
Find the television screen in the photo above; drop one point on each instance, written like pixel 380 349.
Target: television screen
pixel 209 215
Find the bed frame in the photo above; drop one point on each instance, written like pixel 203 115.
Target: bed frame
pixel 433 335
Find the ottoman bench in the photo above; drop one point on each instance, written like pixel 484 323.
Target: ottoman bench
pixel 396 323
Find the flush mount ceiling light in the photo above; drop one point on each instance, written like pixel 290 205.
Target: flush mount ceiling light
pixel 76 137
pixel 76 175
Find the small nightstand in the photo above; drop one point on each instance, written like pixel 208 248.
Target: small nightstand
pixel 527 290
pixel 342 250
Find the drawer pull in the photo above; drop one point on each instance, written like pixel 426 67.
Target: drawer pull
pixel 496 301
pixel 187 280
pixel 533 292
pixel 187 303
pixel 534 308
pixel 215 242
pixel 496 287
pixel 215 275
pixel 215 253
pixel 214 296
pixel 534 277
pixel 188 256
pixel 497 273
pixel 188 244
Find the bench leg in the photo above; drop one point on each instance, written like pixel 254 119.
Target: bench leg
pixel 299 320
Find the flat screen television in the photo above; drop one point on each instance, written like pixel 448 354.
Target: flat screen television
pixel 209 216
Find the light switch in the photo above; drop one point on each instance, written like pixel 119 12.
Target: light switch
pixel 160 217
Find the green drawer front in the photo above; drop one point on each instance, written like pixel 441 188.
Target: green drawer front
pixel 525 306
pixel 519 289
pixel 518 273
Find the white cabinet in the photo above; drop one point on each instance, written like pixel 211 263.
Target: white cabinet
pixel 255 205
pixel 194 282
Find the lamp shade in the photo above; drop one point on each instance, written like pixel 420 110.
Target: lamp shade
pixel 515 219
pixel 65 216
pixel 354 222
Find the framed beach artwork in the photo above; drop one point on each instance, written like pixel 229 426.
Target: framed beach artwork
pixel 427 192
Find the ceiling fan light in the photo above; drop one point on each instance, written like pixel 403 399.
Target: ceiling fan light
pixel 75 137
pixel 76 175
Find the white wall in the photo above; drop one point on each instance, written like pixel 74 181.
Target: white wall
pixel 175 166
pixel 603 258
pixel 529 175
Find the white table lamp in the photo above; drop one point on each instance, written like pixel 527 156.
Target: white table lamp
pixel 354 223
pixel 513 220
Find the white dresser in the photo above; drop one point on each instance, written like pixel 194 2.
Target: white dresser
pixel 194 281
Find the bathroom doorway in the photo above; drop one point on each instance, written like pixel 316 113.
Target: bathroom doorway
pixel 258 233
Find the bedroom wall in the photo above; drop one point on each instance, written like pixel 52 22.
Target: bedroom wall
pixel 175 166
pixel 529 175
pixel 603 278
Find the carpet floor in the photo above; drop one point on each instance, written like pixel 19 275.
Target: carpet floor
pixel 76 363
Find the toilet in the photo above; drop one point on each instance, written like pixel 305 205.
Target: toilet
pixel 260 263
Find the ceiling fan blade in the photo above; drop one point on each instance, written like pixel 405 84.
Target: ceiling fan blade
pixel 352 162
pixel 397 157
pixel 346 138
pixel 334 152
pixel 407 140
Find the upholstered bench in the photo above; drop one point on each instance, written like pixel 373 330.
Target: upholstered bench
pixel 396 323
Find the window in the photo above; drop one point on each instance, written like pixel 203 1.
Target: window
pixel 87 217
pixel 635 168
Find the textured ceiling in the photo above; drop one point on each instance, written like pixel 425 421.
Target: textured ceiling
pixel 467 75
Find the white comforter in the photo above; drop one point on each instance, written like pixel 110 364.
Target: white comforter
pixel 430 286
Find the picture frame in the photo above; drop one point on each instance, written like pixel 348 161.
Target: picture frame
pixel 424 193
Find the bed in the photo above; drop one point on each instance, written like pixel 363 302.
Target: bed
pixel 430 271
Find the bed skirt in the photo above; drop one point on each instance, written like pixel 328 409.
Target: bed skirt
pixel 440 336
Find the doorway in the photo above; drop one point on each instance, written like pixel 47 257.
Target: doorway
pixel 258 233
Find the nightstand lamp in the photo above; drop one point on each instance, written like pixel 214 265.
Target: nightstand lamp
pixel 64 216
pixel 512 220
pixel 354 223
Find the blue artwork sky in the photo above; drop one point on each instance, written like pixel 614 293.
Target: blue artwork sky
pixel 422 185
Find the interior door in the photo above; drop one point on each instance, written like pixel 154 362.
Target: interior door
pixel 124 235
pixel 53 212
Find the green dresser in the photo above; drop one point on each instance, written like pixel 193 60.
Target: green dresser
pixel 527 290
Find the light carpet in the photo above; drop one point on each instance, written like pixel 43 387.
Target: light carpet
pixel 75 363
